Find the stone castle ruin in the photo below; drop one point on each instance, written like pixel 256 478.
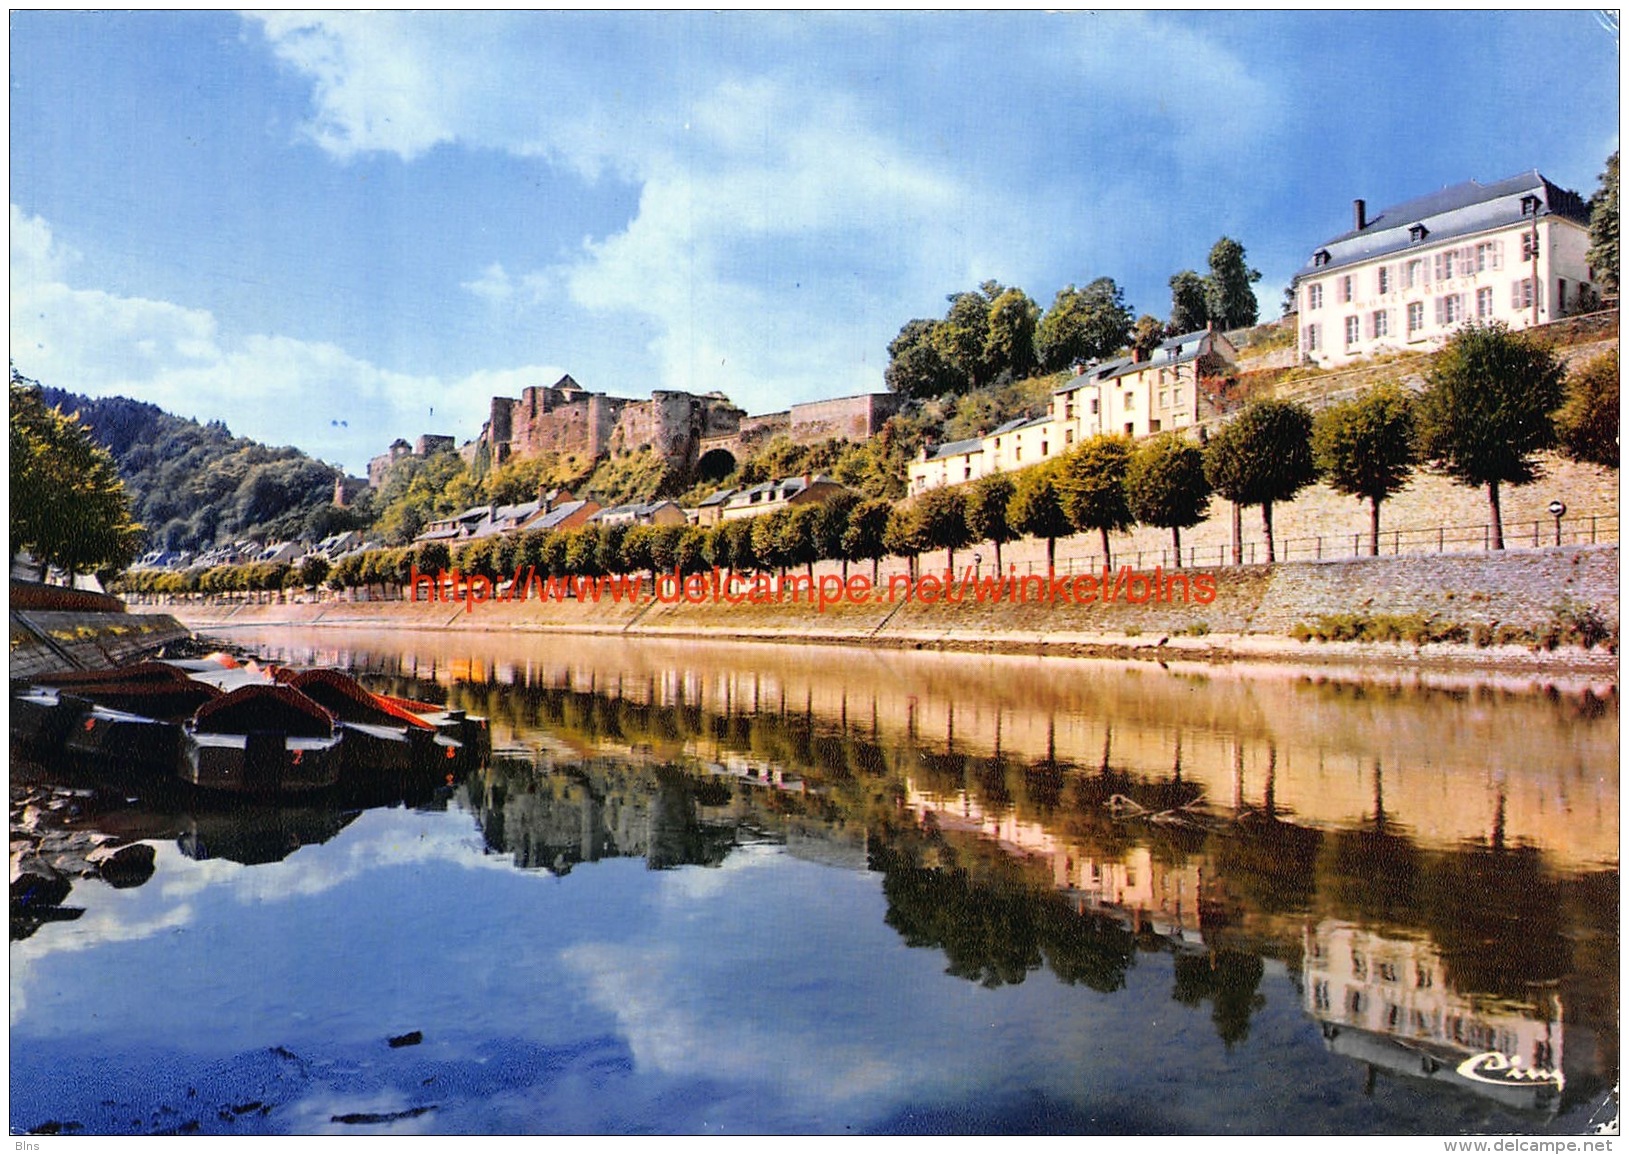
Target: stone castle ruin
pixel 682 428
pixel 706 435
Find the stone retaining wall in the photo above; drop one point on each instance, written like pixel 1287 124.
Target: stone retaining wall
pixel 52 641
pixel 1523 589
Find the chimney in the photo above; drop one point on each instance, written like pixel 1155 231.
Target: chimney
pixel 1360 219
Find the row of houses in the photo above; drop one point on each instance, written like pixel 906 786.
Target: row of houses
pixel 246 552
pixel 1135 395
pixel 1514 252
pixel 558 510
pixel 554 510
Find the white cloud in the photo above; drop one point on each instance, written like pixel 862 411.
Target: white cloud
pixel 276 389
pixel 372 90
pixel 501 289
pixel 772 219
pixel 791 218
pixel 36 256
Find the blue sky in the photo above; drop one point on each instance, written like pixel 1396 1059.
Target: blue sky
pixel 335 229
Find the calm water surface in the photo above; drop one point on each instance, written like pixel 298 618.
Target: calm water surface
pixel 768 889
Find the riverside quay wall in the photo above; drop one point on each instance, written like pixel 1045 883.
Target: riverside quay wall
pixel 55 629
pixel 1254 610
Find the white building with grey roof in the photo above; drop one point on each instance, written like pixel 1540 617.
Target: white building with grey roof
pixel 1513 251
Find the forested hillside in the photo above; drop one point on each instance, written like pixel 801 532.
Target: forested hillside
pixel 193 485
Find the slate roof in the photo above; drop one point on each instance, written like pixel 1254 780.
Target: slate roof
pixel 957 448
pixel 633 509
pixel 557 515
pixel 1458 211
pixel 1177 350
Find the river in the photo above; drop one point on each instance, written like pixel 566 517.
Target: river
pixel 768 889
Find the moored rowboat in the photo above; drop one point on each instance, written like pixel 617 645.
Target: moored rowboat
pixel 261 739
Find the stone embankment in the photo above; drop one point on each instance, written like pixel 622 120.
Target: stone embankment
pixel 1523 593
pixel 55 629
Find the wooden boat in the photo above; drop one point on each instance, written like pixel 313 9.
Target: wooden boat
pixel 121 737
pixel 381 736
pixel 261 739
pixel 225 725
pixel 471 730
pixel 130 716
pixel 42 716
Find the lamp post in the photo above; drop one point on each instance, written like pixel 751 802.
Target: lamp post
pixel 1557 509
pixel 978 565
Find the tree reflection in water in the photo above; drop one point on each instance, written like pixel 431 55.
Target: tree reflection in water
pixel 1010 856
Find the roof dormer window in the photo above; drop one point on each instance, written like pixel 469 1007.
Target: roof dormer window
pixel 1418 233
pixel 1320 258
pixel 1530 205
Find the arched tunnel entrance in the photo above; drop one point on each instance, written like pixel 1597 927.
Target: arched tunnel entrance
pixel 715 465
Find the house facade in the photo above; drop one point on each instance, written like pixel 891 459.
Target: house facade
pixel 949 464
pixel 1513 251
pixel 1129 396
pixel 661 512
pixel 1137 397
pixel 773 495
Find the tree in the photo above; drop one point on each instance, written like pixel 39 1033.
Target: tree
pixel 1083 324
pixel 767 541
pixel 1588 423
pixel 1189 311
pixel 68 506
pixel 1146 336
pixel 1229 300
pixel 432 557
pixel 961 339
pixel 1603 229
pixel 557 552
pixel 690 555
pixel 603 550
pixel 799 535
pixel 1092 486
pixel 1486 411
pixel 313 571
pixel 916 367
pixel 1009 341
pixel 737 545
pixel 987 503
pixel 1366 448
pixel 866 535
pixel 1166 486
pixel 1263 456
pixel 583 551
pixel 638 551
pixel 664 549
pixel 1037 511
pixel 902 536
pixel 832 525
pixel 941 517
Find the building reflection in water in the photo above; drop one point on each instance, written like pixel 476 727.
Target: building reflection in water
pixel 1390 1003
pixel 1434 865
